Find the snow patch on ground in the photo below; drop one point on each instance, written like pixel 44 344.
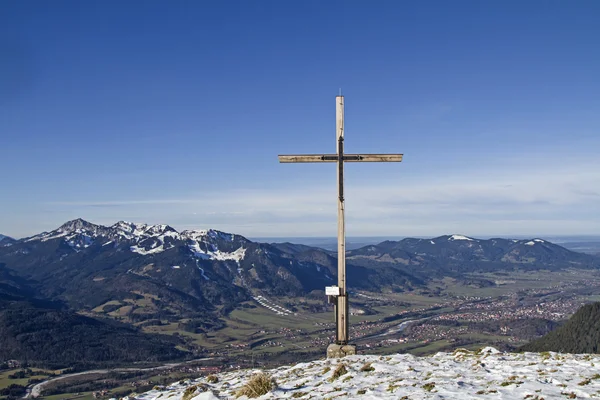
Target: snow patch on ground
pixel 236 256
pixel 458 375
pixel 78 241
pixel 263 301
pixel 144 252
pixel 48 236
pixel 202 271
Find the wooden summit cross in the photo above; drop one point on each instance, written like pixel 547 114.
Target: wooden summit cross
pixel 341 346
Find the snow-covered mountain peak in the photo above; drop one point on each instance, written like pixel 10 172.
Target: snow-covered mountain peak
pixel 460 237
pixel 78 225
pixel 77 233
pixel 147 239
pixel 211 234
pixel 194 234
pixel 72 230
pixel 216 245
pixel 214 234
pixel 129 230
pixel 161 229
pixel 533 242
pixel 126 226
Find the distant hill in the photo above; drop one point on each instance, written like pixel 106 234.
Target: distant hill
pixel 450 254
pixel 581 334
pixel 6 240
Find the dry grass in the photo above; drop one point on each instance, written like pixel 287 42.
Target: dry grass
pixel 258 385
pixel 339 371
pixel 192 391
pixel 189 392
pixel 212 379
pixel 367 368
pixel 429 386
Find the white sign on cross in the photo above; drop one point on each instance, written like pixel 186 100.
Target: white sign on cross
pixel 341 306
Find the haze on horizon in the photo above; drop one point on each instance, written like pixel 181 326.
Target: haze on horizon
pixel 169 113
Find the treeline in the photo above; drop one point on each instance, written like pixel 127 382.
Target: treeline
pixel 13 391
pixel 581 334
pixel 55 338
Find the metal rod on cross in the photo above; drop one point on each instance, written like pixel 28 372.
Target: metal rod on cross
pixel 341 304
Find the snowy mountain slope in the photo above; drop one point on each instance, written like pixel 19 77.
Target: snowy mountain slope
pixel 198 249
pixel 222 257
pixel 146 239
pixel 458 375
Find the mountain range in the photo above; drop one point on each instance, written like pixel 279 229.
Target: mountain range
pixel 139 273
pixel 208 272
pixel 458 254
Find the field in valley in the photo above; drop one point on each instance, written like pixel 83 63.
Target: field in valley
pixel 451 313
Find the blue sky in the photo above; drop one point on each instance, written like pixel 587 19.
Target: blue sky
pixel 174 112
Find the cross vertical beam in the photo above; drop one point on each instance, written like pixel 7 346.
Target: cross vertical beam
pixel 341 303
pixel 341 323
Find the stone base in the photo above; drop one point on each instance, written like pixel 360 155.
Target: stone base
pixel 340 350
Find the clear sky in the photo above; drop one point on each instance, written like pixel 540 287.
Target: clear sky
pixel 174 112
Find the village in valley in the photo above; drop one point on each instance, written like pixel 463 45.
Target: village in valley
pixel 524 307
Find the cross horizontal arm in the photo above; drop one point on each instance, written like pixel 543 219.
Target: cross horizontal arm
pixel 308 158
pixel 316 158
pixel 373 157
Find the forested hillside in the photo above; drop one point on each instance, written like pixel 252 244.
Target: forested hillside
pixel 45 333
pixel 581 334
pixel 56 338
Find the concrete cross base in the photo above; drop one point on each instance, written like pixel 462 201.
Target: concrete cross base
pixel 340 350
